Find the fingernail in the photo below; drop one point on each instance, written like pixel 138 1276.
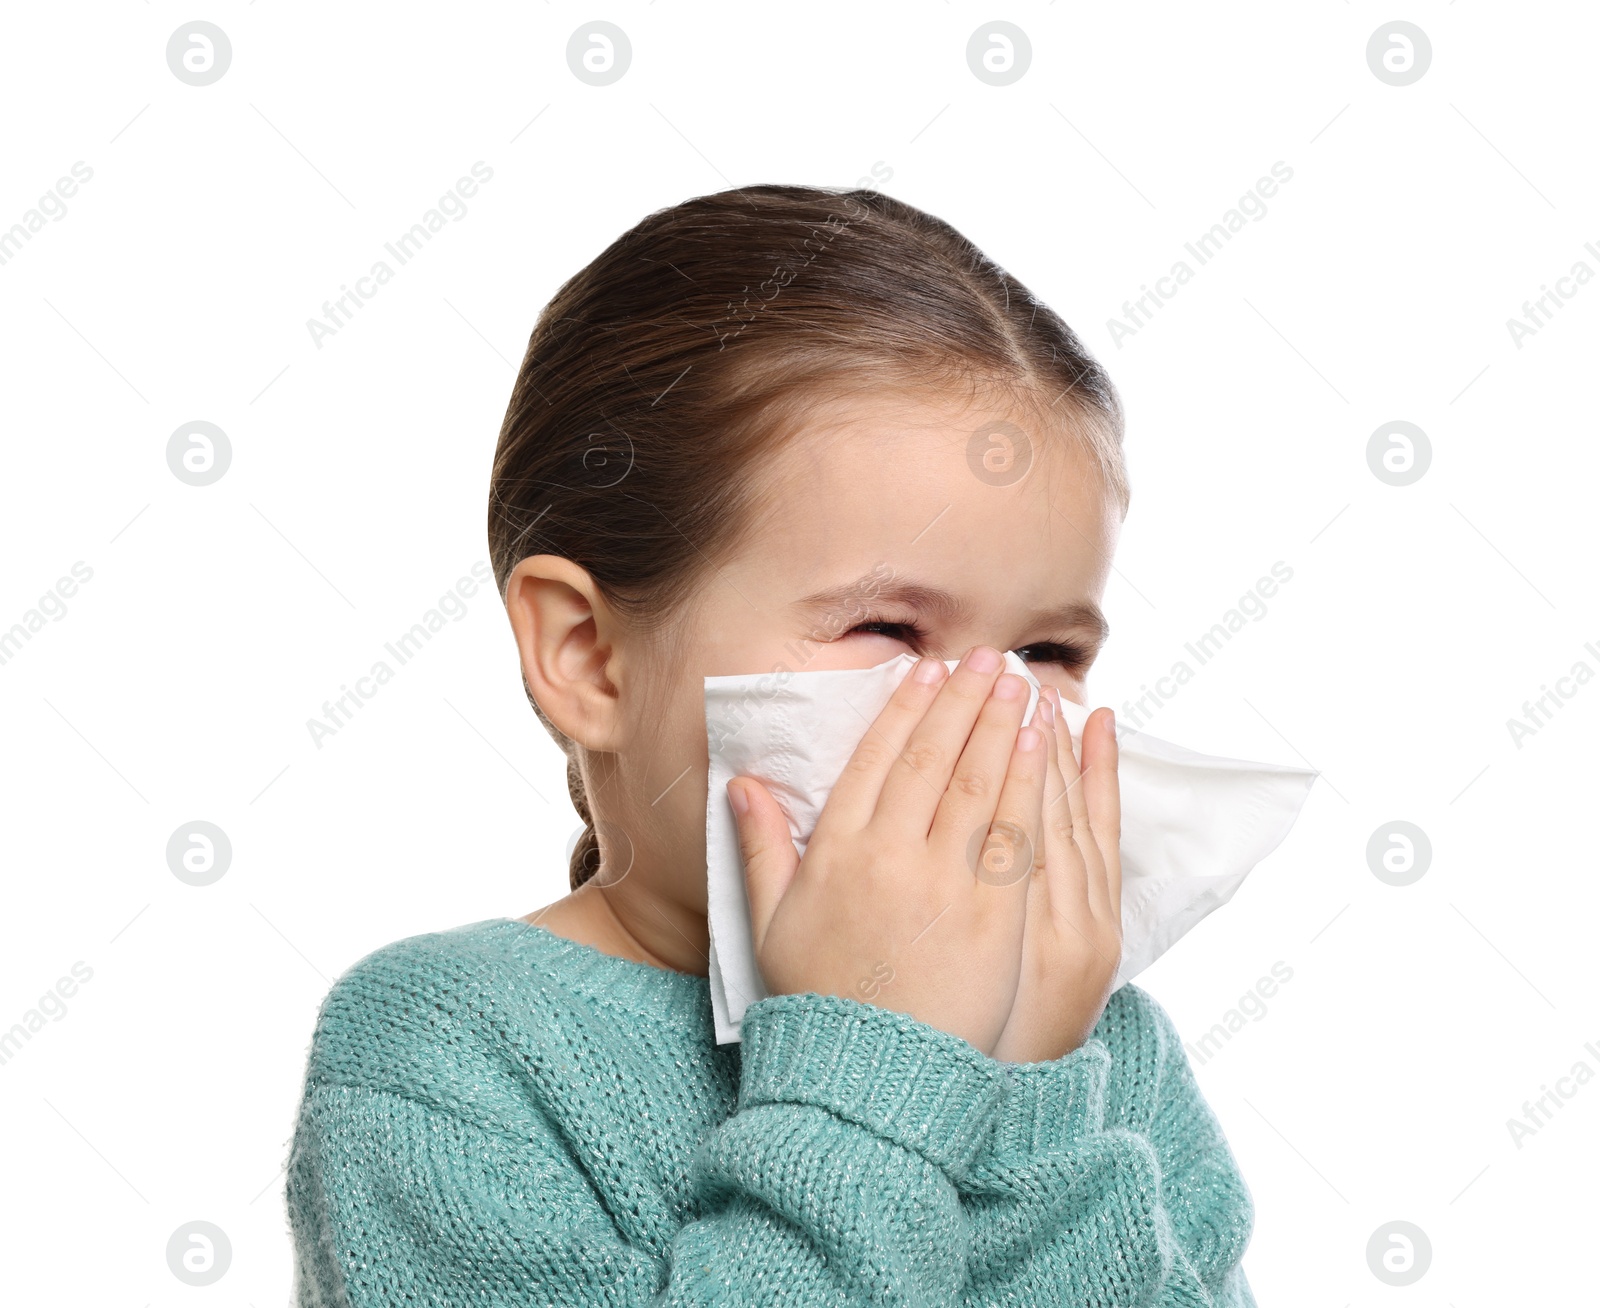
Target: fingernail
pixel 1047 711
pixel 983 658
pixel 737 797
pixel 928 671
pixel 1029 738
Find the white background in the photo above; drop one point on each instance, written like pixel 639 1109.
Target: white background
pixel 1378 1083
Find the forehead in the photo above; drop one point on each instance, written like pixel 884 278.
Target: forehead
pixel 982 498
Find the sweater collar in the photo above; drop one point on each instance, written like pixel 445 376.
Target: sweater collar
pixel 641 988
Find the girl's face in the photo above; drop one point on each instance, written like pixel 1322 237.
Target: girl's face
pixel 890 525
pixel 895 526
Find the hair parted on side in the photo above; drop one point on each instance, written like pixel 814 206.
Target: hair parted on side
pixel 693 344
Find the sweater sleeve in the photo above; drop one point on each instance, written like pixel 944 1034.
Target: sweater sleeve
pixel 1108 1180
pixel 834 1181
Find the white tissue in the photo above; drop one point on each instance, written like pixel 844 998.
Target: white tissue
pixel 1192 825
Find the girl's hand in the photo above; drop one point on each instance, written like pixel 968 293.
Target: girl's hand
pixel 889 876
pixel 1072 943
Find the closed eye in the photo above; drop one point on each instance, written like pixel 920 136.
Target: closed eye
pixel 908 632
pixel 1074 658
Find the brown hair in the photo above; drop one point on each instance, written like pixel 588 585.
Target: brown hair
pixel 695 342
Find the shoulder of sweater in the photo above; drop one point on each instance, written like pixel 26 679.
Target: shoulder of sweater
pixel 1148 1062
pixel 443 1017
pixel 1133 1014
pixel 1135 997
pixel 1152 1089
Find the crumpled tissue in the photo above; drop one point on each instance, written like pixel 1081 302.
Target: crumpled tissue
pixel 1193 825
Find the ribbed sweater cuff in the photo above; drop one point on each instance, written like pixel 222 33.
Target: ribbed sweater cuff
pixel 1049 1105
pixel 921 1087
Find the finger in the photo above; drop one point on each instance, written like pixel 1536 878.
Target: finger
pixel 1079 870
pixel 1009 848
pixel 854 796
pixel 1076 804
pixel 770 858
pixel 1074 800
pixel 1104 799
pixel 1095 879
pixel 920 775
pixel 1064 871
pixel 973 793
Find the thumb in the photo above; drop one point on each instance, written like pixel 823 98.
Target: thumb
pixel 769 854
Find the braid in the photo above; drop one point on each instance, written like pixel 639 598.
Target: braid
pixel 585 860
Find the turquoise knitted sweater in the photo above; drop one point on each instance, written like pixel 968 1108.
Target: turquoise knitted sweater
pixel 497 1115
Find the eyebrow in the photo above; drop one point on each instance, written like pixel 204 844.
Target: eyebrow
pixel 868 590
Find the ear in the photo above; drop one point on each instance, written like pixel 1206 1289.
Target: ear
pixel 568 640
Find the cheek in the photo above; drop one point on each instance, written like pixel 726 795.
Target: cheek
pixel 663 771
pixel 863 650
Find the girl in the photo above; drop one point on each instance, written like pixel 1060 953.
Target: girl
pixel 787 429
